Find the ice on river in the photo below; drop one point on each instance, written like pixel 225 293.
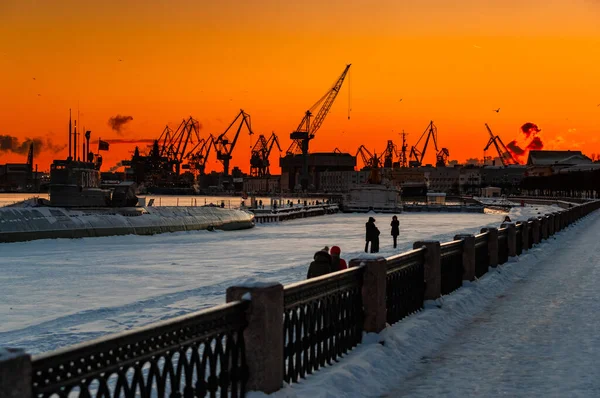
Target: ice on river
pixel 55 293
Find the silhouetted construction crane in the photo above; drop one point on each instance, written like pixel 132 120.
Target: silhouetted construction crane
pixel 198 156
pixel 391 152
pixel 308 127
pixel 503 153
pixel 224 146
pixel 174 147
pixel 259 160
pixel 416 156
pixel 403 160
pixel 366 156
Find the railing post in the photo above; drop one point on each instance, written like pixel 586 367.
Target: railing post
pixel 492 245
pixel 550 224
pixel 557 217
pixel 433 269
pixel 468 256
pixel 525 235
pixel 374 293
pixel 263 337
pixel 544 224
pixel 15 373
pixel 511 238
pixel 536 230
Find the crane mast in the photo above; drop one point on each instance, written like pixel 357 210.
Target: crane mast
pixel 503 153
pixel 309 126
pixel 225 147
pixel 416 156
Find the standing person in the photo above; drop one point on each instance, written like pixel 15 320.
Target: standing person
pixel 321 264
pixel 395 224
pixel 372 236
pixel 337 263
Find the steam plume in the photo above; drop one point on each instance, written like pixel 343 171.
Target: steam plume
pixel 9 143
pixel 117 122
pixel 131 141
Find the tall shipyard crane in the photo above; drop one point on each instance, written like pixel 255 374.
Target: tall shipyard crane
pixel 503 153
pixel 174 147
pixel 366 156
pixel 416 155
pixel 308 127
pixel 391 152
pixel 259 159
pixel 198 156
pixel 224 146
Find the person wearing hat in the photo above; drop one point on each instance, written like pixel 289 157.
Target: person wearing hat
pixel 337 263
pixel 321 264
pixel 372 236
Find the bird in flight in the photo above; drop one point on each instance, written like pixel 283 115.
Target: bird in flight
pixel 39 95
pixel 400 100
pixel 497 110
pixel 34 78
pixel 120 60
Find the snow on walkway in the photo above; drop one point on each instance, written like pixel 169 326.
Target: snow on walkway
pixel 529 328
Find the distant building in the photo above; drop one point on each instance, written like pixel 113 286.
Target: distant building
pixel 469 181
pixel 545 163
pixel 291 168
pixel 341 181
pixel 262 185
pixel 507 178
pixel 491 192
pixel 442 179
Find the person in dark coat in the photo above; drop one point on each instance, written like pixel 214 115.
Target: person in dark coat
pixel 337 263
pixel 321 264
pixel 372 236
pixel 395 224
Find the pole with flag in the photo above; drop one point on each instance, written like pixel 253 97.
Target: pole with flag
pixel 102 145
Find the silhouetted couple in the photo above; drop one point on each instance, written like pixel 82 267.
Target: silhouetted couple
pixel 372 236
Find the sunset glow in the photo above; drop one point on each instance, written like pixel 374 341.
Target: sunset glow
pixel 130 67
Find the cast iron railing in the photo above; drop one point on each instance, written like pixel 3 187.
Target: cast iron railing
pixel 502 245
pixel 519 239
pixel 194 355
pixel 405 284
pixel 322 320
pixel 482 256
pixel 451 263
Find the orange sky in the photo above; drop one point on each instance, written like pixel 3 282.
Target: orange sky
pixel 450 62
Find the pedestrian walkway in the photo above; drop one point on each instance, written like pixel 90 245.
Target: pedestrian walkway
pixel 541 338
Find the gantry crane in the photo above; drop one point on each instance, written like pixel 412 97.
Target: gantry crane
pixel 391 152
pixel 198 156
pixel 174 146
pixel 259 160
pixel 366 156
pixel 224 146
pixel 308 127
pixel 403 160
pixel 416 156
pixel 503 153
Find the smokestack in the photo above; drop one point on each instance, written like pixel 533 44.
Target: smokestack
pixel 87 140
pixel 69 133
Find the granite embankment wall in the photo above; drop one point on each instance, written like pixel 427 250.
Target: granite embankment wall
pixel 23 224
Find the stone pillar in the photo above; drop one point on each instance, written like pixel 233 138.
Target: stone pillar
pixel 433 269
pixel 15 373
pixel 557 217
pixel 544 227
pixel 550 224
pixel 525 235
pixel 536 230
pixel 374 294
pixel 263 337
pixel 468 256
pixel 511 238
pixel 492 245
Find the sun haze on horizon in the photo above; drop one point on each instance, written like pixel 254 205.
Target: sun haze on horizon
pixel 130 67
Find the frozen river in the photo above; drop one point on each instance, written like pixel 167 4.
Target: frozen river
pixel 55 293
